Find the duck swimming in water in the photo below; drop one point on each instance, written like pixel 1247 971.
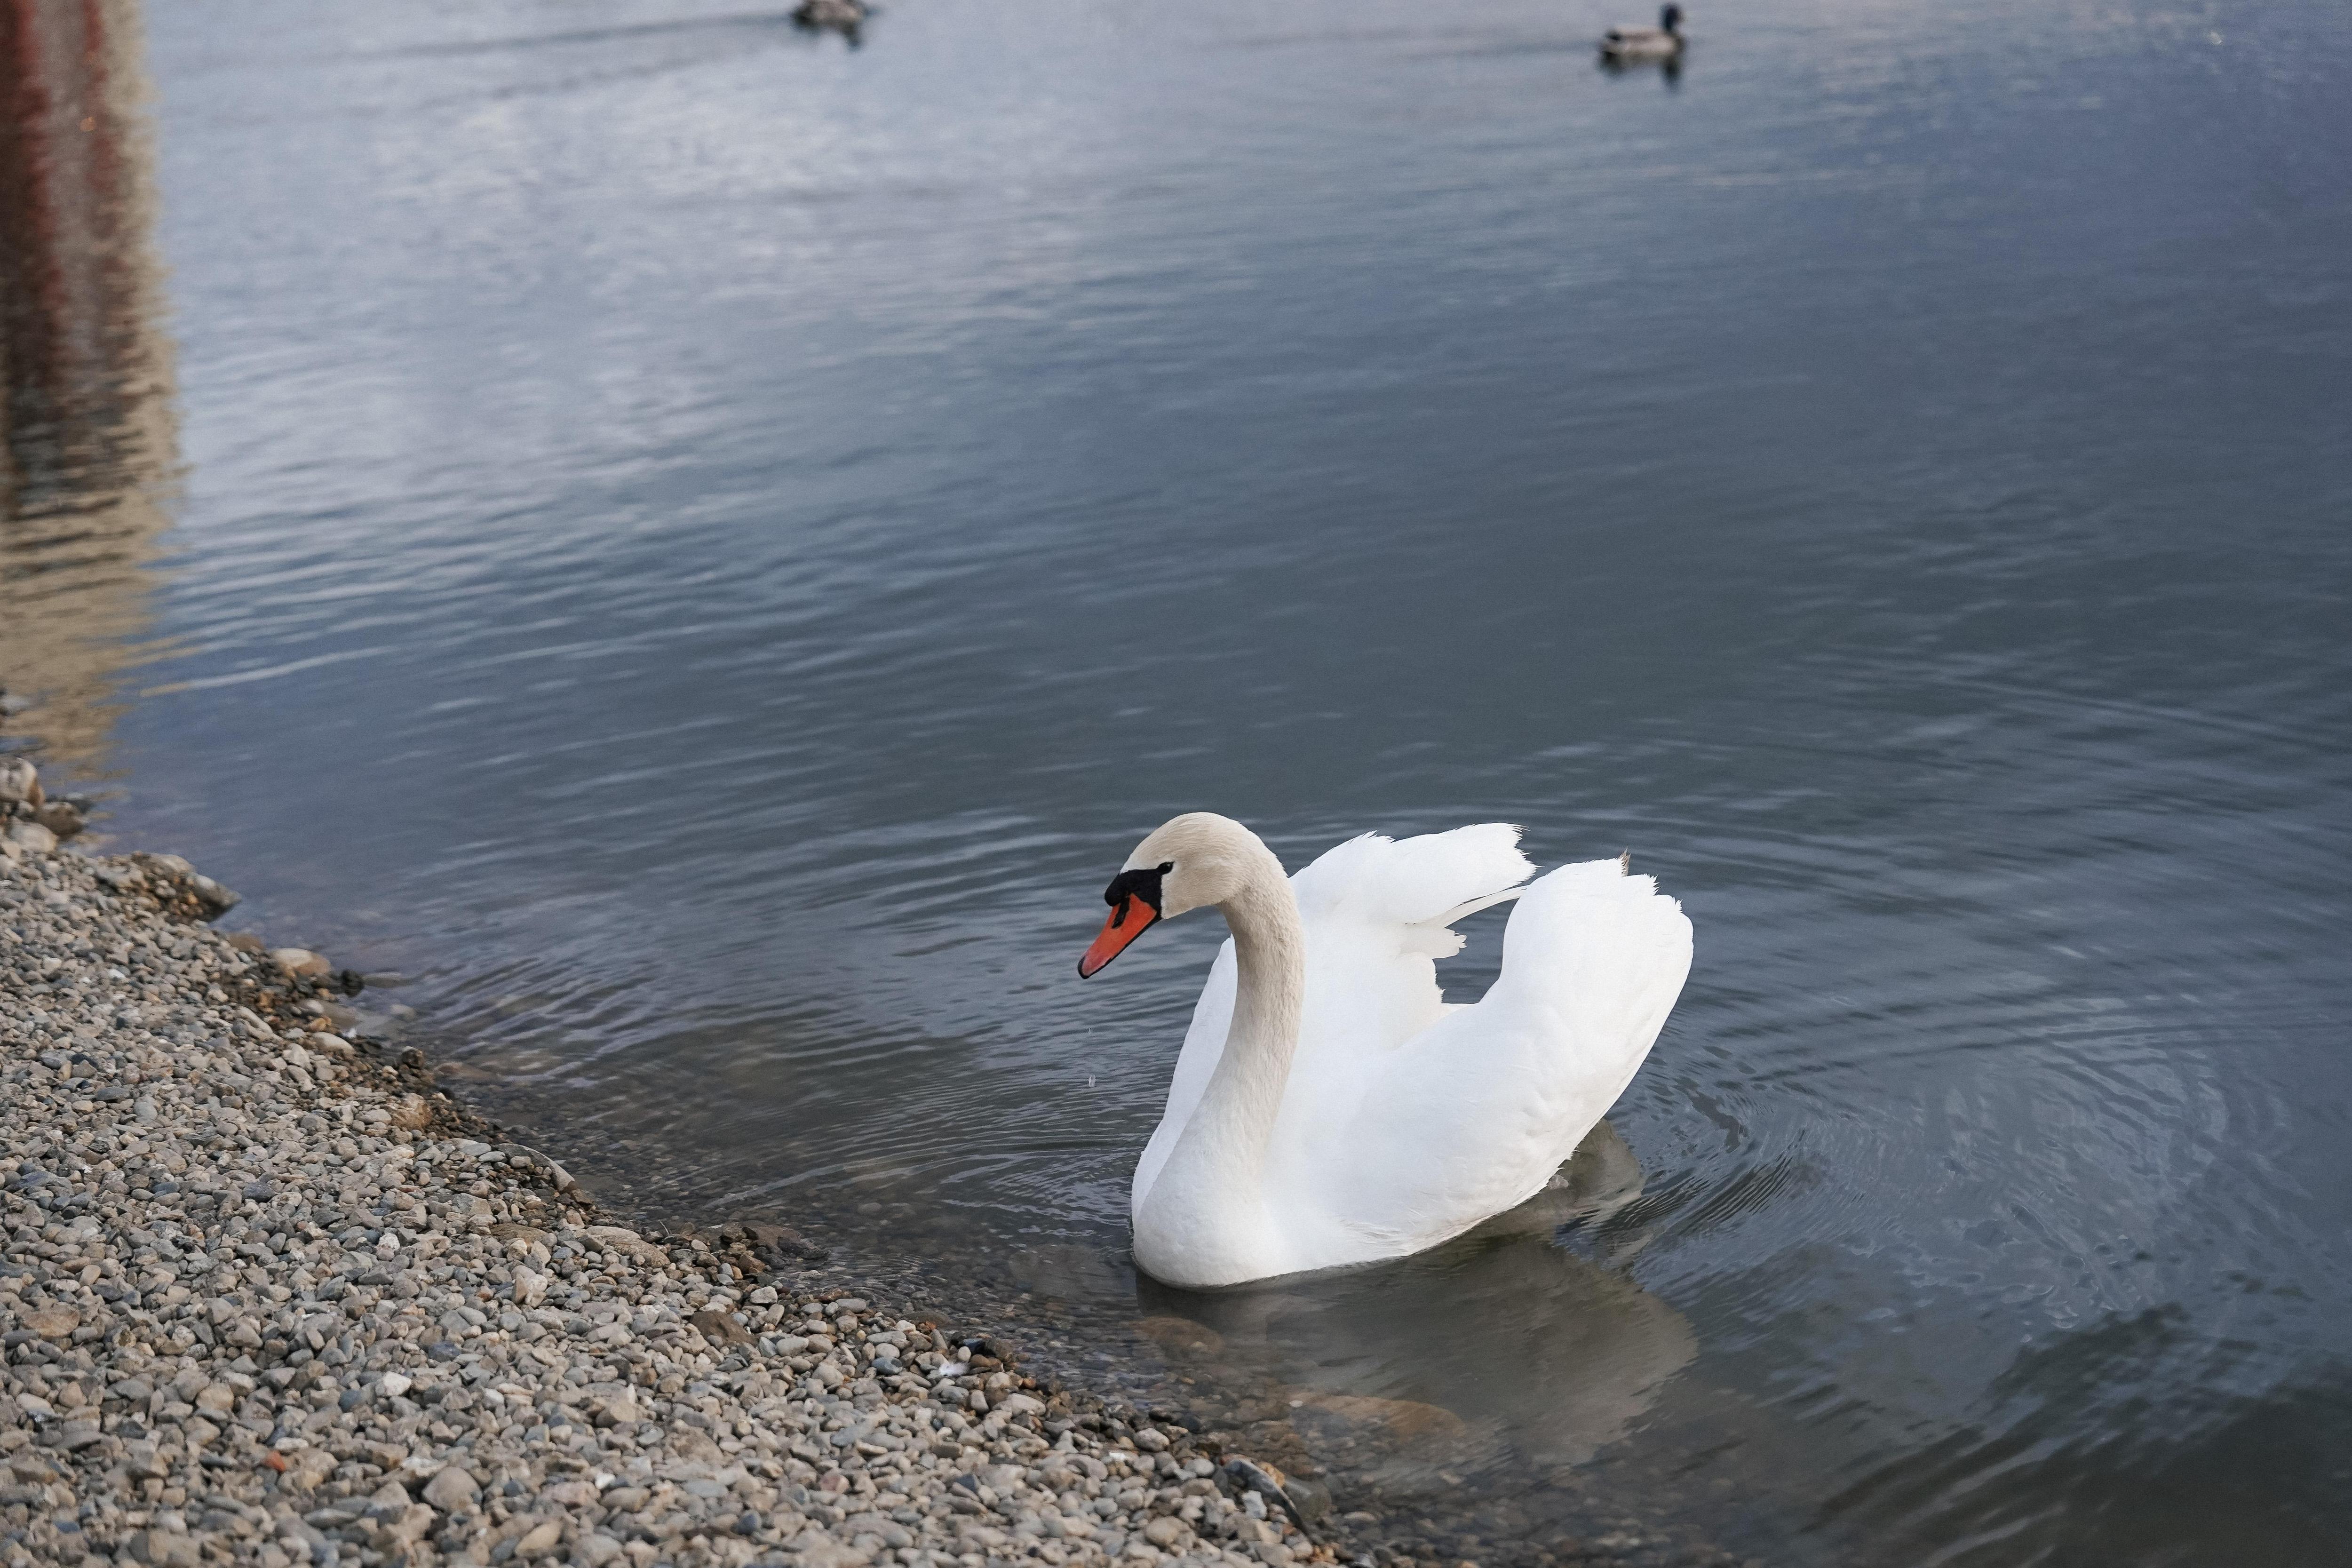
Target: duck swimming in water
pixel 1662 42
pixel 843 16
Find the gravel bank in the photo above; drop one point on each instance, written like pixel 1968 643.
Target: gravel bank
pixel 270 1297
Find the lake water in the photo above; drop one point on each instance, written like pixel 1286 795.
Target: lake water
pixel 706 547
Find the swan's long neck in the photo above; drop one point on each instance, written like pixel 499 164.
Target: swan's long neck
pixel 1270 990
pixel 1209 1198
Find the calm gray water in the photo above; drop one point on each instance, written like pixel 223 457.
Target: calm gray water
pixel 707 547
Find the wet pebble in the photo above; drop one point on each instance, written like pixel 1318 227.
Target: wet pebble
pixel 267 1300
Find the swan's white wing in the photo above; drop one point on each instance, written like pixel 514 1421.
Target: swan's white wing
pixel 1472 1115
pixel 1409 881
pixel 1205 1045
pixel 1374 912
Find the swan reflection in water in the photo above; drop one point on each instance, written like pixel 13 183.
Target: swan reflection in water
pixel 1501 1345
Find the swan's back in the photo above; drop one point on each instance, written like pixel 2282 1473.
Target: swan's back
pixel 1473 1113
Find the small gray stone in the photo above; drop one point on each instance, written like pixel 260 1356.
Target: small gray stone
pixel 32 837
pixel 364 1293
pixel 453 1487
pixel 62 817
pixel 538 1541
pixel 1310 1500
pixel 164 1548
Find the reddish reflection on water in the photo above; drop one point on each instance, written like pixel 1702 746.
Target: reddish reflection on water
pixel 87 435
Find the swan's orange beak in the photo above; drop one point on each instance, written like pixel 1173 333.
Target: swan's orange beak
pixel 1128 918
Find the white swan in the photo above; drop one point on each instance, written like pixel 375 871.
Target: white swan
pixel 1329 1107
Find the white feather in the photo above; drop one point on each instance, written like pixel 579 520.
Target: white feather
pixel 1403 1122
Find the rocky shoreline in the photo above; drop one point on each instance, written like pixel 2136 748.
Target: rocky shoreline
pixel 270 1295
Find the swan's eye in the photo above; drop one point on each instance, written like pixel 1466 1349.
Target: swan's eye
pixel 1166 866
pixel 1141 883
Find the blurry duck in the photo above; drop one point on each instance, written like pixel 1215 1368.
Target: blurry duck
pixel 843 16
pixel 1662 42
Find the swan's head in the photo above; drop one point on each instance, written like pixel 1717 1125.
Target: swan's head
pixel 1188 862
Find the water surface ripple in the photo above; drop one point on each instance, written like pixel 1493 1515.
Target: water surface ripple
pixel 706 547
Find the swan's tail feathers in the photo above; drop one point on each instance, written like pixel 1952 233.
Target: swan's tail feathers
pixel 1427 879
pixel 1604 951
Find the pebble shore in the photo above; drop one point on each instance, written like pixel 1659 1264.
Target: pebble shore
pixel 269 1296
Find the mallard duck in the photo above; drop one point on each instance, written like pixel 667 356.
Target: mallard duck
pixel 843 16
pixel 1659 43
